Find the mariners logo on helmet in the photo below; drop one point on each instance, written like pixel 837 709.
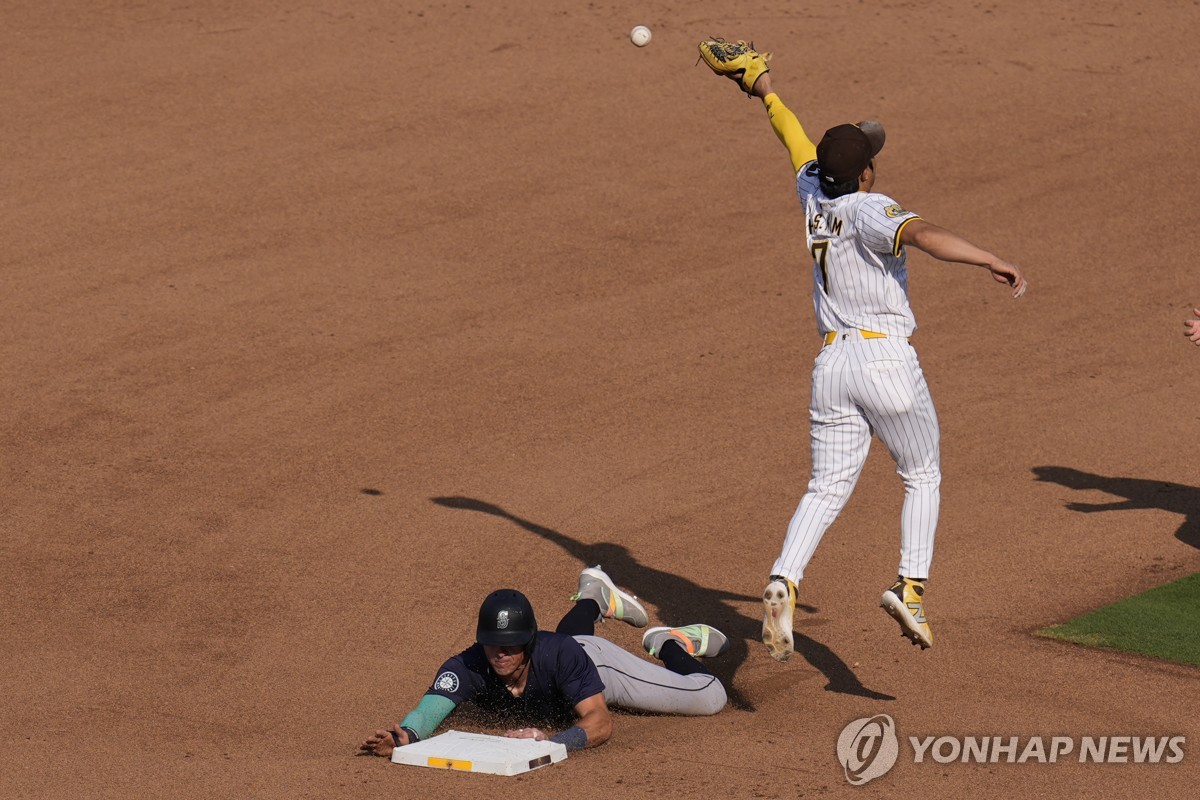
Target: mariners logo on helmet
pixel 447 682
pixel 505 620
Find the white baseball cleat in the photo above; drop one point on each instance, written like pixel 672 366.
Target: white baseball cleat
pixel 779 606
pixel 905 602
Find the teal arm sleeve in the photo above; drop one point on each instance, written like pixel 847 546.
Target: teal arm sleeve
pixel 428 714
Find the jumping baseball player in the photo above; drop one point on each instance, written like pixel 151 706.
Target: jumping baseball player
pixel 866 378
pixel 567 678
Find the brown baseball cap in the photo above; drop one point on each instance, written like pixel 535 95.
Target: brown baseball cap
pixel 846 150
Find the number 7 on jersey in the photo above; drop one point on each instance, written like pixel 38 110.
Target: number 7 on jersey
pixel 820 251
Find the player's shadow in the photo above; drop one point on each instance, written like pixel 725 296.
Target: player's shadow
pixel 1138 493
pixel 681 601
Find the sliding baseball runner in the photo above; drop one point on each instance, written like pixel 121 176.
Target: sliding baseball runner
pixel 566 678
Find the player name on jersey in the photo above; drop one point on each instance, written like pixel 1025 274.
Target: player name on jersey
pixel 825 223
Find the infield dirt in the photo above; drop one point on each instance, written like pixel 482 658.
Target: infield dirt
pixel 325 320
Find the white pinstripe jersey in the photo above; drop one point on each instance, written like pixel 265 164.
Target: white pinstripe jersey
pixel 859 276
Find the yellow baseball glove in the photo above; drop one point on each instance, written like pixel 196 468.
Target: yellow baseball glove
pixel 737 60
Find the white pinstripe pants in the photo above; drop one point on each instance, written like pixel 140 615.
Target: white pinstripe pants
pixel 859 387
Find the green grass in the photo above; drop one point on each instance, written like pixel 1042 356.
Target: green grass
pixel 1161 623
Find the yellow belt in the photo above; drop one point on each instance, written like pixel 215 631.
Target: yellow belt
pixel 831 337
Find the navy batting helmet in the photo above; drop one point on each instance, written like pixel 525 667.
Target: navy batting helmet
pixel 506 619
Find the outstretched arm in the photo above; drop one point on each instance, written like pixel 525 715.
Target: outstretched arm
pixel 787 127
pixel 417 725
pixel 382 742
pixel 747 68
pixel 946 246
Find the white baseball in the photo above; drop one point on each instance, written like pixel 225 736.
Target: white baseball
pixel 640 35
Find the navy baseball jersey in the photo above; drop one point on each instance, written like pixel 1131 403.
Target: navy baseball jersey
pixel 560 676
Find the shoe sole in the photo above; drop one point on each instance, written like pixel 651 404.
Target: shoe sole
pixel 775 635
pixel 899 612
pixel 628 600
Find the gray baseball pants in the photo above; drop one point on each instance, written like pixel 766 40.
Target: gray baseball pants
pixel 637 684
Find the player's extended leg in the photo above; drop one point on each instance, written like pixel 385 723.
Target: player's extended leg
pixel 683 686
pixel 896 398
pixel 840 438
pixel 839 450
pixel 598 590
